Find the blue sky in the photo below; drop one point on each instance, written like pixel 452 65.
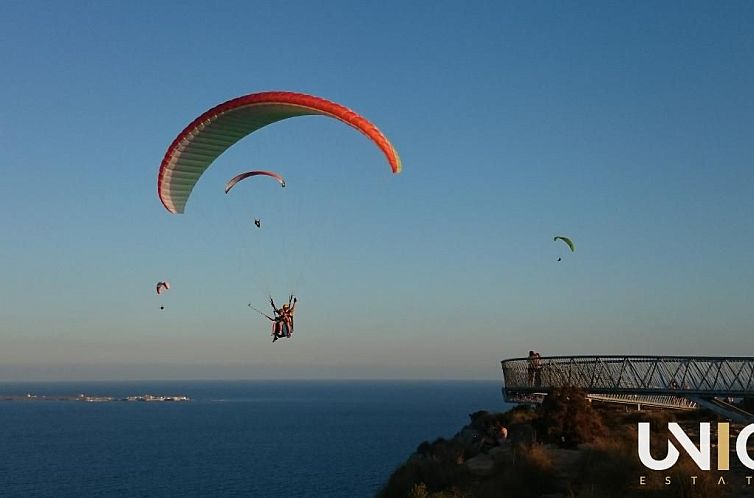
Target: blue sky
pixel 626 126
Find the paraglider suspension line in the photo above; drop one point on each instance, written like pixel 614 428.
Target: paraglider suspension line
pixel 260 312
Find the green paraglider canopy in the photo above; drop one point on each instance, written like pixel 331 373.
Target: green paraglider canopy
pixel 566 240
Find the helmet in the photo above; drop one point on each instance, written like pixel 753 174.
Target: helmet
pixel 285 306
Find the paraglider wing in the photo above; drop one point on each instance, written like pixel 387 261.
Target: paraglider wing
pixel 209 135
pixel 566 240
pixel 232 182
pixel 162 287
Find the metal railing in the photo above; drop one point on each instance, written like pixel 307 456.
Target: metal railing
pixel 658 401
pixel 675 376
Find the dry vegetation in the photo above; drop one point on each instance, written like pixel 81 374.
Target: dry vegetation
pixel 566 447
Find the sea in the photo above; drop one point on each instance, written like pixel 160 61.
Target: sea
pixel 242 438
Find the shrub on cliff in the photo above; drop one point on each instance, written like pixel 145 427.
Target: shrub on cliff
pixel 566 418
pixel 420 491
pixel 436 467
pixel 531 474
pixel 522 414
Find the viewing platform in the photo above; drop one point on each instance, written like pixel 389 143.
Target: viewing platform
pixel 679 382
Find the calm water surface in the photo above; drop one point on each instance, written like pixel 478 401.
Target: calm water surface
pixel 246 438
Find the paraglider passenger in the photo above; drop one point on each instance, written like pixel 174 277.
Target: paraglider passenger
pixel 277 327
pixel 277 321
pixel 283 322
pixel 287 315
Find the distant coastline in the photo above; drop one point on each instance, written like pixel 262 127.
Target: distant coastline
pixel 149 398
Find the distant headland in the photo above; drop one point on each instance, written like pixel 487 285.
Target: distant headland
pixel 149 398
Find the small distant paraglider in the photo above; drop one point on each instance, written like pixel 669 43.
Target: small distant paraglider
pixel 567 241
pixel 232 182
pixel 161 288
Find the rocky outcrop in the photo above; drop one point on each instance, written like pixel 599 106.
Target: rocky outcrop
pixel 481 465
pixel 492 453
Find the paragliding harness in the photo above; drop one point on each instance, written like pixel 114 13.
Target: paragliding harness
pixel 282 321
pixel 283 326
